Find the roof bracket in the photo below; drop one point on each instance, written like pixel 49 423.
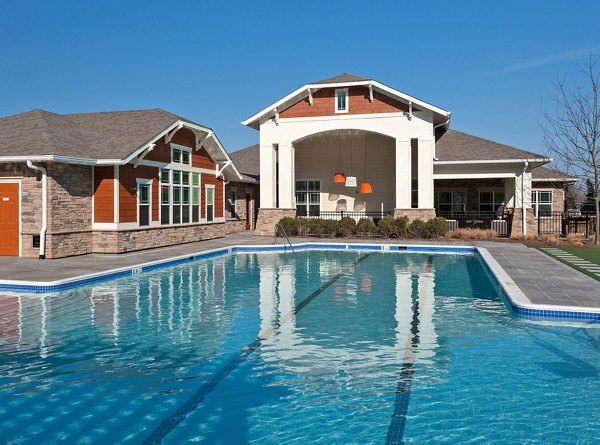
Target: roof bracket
pixel 220 170
pixel 370 92
pixel 143 154
pixel 276 111
pixel 170 135
pixel 410 114
pixel 200 142
pixel 310 97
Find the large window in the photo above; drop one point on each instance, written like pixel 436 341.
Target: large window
pixel 308 197
pixel 541 201
pixel 144 203
pixel 179 197
pixel 490 201
pixel 452 202
pixel 341 101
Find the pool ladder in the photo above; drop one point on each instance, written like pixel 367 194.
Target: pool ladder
pixel 278 225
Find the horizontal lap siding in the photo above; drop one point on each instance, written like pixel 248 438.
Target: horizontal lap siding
pixel 358 103
pixel 201 159
pixel 128 176
pixel 219 203
pixel 162 151
pixel 104 196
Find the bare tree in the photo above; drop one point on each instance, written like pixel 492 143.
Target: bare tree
pixel 572 130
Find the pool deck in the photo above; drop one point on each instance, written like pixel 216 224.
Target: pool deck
pixel 544 280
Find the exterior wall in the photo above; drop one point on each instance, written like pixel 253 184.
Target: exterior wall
pixel 162 151
pixel 358 103
pixel 237 215
pixel 104 194
pixel 209 179
pixel 320 156
pixel 267 218
pixel 471 186
pixel 517 223
pixel 128 176
pixel 202 159
pixel 558 194
pixel 422 214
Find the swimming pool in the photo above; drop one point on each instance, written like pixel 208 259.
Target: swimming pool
pixel 311 347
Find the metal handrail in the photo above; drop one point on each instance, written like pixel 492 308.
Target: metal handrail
pixel 284 233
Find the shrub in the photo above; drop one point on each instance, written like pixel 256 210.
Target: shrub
pixel 302 226
pixel 472 234
pixel 315 227
pixel 290 225
pixel 437 227
pixel 346 227
pixel 418 229
pixel 401 225
pixel 366 226
pixel 387 227
pixel 574 239
pixel 330 227
pixel 551 239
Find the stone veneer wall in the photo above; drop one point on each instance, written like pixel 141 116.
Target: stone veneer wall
pixel 267 218
pixel 517 223
pixel 423 214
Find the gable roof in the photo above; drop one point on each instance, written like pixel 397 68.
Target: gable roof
pixel 113 137
pixel 342 80
pixel 247 160
pixel 547 174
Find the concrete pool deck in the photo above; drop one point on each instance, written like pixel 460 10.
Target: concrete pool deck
pixel 544 280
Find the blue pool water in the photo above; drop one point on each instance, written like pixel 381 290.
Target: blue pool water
pixel 313 347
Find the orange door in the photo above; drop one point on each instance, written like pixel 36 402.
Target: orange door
pixel 9 219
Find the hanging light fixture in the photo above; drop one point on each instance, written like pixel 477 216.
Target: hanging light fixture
pixel 366 187
pixel 351 180
pixel 339 178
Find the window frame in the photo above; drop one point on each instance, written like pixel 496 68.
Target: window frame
pixel 142 182
pixel 181 149
pixel 208 187
pixel 535 203
pixel 495 205
pixel 335 100
pixel 308 192
pixel 451 203
pixel 233 204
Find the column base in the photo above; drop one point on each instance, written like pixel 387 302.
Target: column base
pixel 267 218
pixel 422 214
pixel 517 223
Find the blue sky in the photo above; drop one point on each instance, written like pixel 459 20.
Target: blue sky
pixel 493 64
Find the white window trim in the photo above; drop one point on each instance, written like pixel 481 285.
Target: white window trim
pixel 335 100
pixel 233 203
pixel 181 148
pixel 206 187
pixel 308 191
pixel 141 181
pixel 535 205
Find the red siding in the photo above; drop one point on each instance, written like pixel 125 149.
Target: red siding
pixel 104 197
pixel 201 159
pixel 218 183
pixel 162 151
pixel 128 191
pixel 358 103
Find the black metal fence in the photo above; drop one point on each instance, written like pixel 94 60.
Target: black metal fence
pixel 563 223
pixel 375 216
pixel 501 224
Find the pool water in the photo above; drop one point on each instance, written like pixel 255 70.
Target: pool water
pixel 332 347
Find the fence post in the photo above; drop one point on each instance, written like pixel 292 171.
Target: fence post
pixel 587 223
pixel 539 223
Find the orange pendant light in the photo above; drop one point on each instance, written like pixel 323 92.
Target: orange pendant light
pixel 366 187
pixel 339 178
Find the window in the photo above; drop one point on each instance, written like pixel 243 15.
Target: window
pixel 451 203
pixel 308 197
pixel 341 101
pixel 210 202
pixel 490 201
pixel 232 204
pixel 180 155
pixel 541 201
pixel 195 197
pixel 179 197
pixel 144 204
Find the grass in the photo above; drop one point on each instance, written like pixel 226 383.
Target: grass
pixel 585 253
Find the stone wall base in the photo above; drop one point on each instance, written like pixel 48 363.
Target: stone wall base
pixel 422 214
pixel 267 218
pixel 517 223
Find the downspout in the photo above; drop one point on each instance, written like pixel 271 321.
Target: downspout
pixel 443 124
pixel 523 210
pixel 44 207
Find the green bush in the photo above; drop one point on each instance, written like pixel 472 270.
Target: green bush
pixel 290 225
pixel 401 225
pixel 418 229
pixel 302 226
pixel 330 227
pixel 387 227
pixel 366 226
pixel 315 226
pixel 346 227
pixel 437 227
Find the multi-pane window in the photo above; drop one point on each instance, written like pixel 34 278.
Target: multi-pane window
pixel 232 204
pixel 180 156
pixel 308 197
pixel 210 202
pixel 452 202
pixel 179 197
pixel 341 101
pixel 541 201
pixel 144 204
pixel 490 201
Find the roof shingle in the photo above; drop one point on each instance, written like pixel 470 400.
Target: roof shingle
pixel 340 78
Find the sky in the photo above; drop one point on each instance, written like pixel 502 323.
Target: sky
pixel 492 64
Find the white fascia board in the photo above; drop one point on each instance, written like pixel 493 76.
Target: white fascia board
pixel 494 161
pixel 554 179
pixel 226 156
pixel 61 159
pixel 472 175
pixel 383 88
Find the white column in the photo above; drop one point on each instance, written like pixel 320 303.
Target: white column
pixel 267 176
pixel 286 176
pixel 402 174
pixel 509 192
pixel 425 174
pixel 523 190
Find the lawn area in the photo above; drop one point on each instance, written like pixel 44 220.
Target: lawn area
pixel 585 253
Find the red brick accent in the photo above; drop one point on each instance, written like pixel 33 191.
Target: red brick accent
pixel 358 103
pixel 104 197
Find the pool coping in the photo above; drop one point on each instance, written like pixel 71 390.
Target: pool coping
pixel 517 301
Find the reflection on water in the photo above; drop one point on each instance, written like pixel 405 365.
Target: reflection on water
pixel 110 361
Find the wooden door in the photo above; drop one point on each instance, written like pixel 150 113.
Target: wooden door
pixel 248 212
pixel 9 219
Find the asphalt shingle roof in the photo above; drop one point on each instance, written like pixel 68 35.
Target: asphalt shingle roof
pixel 105 135
pixel 247 160
pixel 340 78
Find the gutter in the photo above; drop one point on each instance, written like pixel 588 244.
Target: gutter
pixel 523 210
pixel 42 254
pixel 434 128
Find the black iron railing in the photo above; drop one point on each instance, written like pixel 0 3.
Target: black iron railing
pixel 375 216
pixel 563 223
pixel 500 223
